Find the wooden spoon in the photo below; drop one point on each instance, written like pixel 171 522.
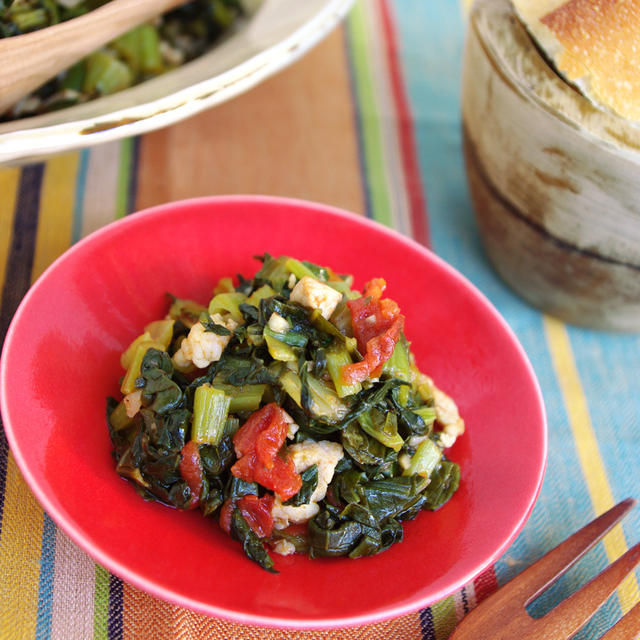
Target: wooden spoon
pixel 29 60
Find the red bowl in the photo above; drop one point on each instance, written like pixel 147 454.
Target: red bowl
pixel 61 359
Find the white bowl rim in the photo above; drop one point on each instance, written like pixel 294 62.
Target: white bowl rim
pixel 28 144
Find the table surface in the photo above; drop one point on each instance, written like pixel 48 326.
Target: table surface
pixel 368 121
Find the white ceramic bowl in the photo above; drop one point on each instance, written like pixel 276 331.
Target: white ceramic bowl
pixel 276 35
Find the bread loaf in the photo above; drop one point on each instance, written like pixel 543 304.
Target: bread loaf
pixel 594 44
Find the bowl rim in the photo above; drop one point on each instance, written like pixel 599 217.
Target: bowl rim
pixel 103 558
pixel 31 143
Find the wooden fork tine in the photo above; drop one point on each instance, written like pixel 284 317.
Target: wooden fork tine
pixel 627 628
pixel 574 612
pixel 502 615
pixel 536 578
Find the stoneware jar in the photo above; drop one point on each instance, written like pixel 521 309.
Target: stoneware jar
pixel 555 181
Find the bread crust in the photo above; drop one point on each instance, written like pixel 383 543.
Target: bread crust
pixel 595 44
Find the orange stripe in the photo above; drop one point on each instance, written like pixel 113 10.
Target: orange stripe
pixel 145 617
pixel 188 625
pixel 148 618
pixel 271 140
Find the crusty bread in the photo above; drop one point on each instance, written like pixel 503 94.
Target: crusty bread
pixel 595 44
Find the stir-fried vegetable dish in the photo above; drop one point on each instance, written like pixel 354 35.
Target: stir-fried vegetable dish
pixel 291 410
pixel 144 52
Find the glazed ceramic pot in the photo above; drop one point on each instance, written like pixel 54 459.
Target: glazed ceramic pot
pixel 555 181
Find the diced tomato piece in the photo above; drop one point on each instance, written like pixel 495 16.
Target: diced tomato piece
pixel 281 478
pixel 371 316
pixel 191 471
pixel 258 443
pixel 389 310
pixel 297 529
pixel 379 350
pixel 377 324
pixel 374 288
pixel 257 512
pixel 270 440
pixel 244 467
pixel 363 329
pixel 245 438
pixel 226 513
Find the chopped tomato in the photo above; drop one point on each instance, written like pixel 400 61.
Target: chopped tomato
pixel 371 316
pixel 299 529
pixel 281 477
pixel 258 444
pixel 374 288
pixel 270 441
pixel 379 350
pixel 377 325
pixel 257 512
pixel 191 471
pixel 226 513
pixel 245 438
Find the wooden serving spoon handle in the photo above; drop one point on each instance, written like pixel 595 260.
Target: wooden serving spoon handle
pixel 29 60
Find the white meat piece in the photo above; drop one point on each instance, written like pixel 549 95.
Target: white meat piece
pixel 292 427
pixel 277 323
pixel 204 347
pixel 448 416
pixel 326 456
pixel 404 460
pixel 313 294
pixel 133 402
pixel 284 547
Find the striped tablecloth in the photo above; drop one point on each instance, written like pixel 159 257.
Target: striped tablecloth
pixel 368 121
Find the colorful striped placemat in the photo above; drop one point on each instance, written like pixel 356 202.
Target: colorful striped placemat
pixel 368 121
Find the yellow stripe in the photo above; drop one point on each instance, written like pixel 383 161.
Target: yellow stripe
pixel 586 443
pixel 9 179
pixel 20 545
pixel 56 211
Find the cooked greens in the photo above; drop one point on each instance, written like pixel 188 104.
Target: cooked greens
pixel 146 51
pixel 275 431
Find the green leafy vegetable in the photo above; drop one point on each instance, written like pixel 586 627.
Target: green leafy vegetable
pixel 444 483
pixel 425 459
pixel 393 465
pixel 159 392
pixel 210 411
pixel 252 545
pixel 383 427
pixel 213 327
pixel 329 537
pixel 216 459
pixel 309 484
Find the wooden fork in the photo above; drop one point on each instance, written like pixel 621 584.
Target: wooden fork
pixel 502 615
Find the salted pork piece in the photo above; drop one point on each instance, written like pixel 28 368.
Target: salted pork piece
pixel 594 44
